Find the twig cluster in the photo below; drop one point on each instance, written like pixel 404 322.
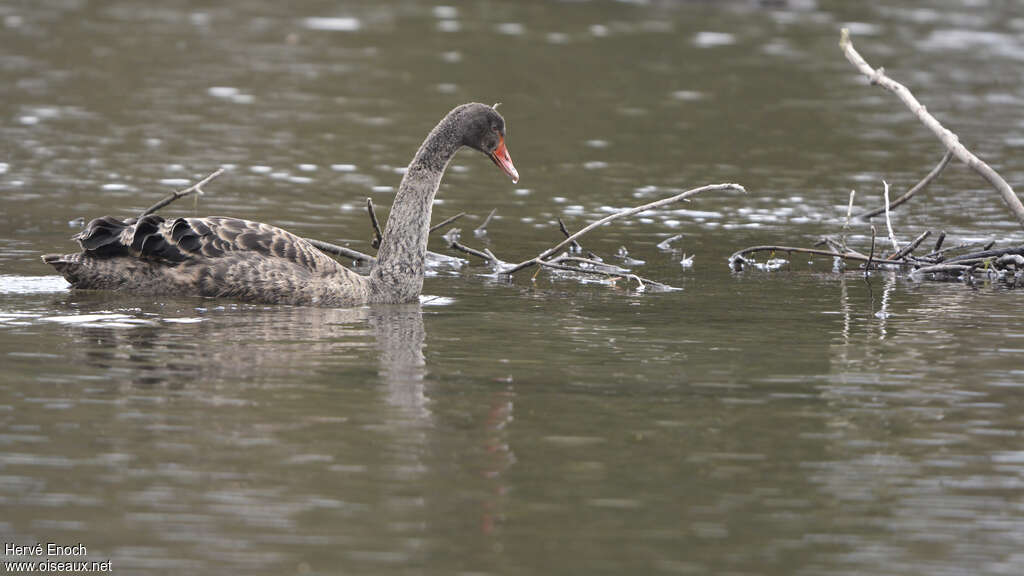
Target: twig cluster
pixel 563 255
pixel 960 262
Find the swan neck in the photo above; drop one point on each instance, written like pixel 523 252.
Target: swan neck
pixel 398 276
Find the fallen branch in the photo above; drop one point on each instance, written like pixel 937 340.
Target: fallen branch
pixel 620 214
pixel 949 139
pixel 910 193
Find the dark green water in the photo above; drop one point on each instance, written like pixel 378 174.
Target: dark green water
pixel 796 422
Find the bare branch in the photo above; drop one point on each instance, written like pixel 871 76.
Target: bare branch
pixel 949 139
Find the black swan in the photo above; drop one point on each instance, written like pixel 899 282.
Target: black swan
pixel 256 262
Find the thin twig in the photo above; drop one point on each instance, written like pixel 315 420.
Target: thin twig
pixel 846 225
pixel 377 234
pixel 446 222
pixel 452 238
pixel 195 188
pixel 888 221
pixel 620 214
pixel 867 267
pixel 903 253
pixel 340 251
pixel 576 247
pixel 482 229
pixel 910 193
pixel 949 139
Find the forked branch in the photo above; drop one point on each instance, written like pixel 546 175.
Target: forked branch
pixel 950 140
pixel 615 216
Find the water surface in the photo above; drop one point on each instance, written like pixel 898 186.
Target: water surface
pixel 796 422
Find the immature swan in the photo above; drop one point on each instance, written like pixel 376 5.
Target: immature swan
pixel 251 261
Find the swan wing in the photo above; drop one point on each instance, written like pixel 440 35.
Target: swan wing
pixel 154 238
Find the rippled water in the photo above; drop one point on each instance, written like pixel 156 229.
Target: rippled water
pixel 793 422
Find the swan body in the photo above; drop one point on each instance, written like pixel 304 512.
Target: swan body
pixel 255 262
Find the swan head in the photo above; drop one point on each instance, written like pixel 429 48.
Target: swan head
pixel 483 129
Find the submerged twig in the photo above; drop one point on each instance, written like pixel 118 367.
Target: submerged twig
pixel 196 188
pixel 642 282
pixel 948 138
